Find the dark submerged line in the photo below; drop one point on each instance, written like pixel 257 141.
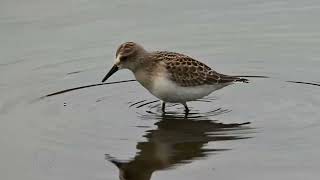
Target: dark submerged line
pixel 302 82
pixel 87 86
pixel 137 103
pixel 144 104
pixel 252 76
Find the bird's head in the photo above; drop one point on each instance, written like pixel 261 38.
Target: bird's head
pixel 128 56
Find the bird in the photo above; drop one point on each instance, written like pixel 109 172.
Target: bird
pixel 170 76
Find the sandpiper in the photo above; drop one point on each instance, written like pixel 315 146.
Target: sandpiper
pixel 171 77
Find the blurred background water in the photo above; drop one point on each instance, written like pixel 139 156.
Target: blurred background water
pixel 47 46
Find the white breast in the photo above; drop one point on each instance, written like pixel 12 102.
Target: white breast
pixel 168 91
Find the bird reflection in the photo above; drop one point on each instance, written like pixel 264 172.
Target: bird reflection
pixel 175 141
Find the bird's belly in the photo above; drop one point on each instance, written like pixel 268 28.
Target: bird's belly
pixel 168 91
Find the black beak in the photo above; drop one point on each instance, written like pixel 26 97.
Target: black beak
pixel 114 69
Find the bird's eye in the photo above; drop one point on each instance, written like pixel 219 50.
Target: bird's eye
pixel 123 58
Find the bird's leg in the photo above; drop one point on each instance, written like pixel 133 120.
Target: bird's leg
pixel 186 109
pixel 163 107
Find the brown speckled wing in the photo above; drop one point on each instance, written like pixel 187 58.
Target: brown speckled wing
pixel 187 71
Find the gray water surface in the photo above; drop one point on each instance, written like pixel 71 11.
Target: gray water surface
pixel 95 133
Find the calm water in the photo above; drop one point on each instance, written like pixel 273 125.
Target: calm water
pixel 267 129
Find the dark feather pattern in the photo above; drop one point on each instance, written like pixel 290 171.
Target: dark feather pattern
pixel 187 71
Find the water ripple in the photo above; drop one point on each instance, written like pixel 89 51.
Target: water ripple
pixel 178 140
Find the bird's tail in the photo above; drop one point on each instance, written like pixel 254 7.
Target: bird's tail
pixel 242 80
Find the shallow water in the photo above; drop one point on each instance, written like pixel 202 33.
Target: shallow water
pixel 92 133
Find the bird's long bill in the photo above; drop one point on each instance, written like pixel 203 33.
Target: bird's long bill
pixel 114 69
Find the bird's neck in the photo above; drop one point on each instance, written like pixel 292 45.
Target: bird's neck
pixel 143 77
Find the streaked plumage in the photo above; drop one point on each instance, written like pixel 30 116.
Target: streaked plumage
pixel 186 71
pixel 170 76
